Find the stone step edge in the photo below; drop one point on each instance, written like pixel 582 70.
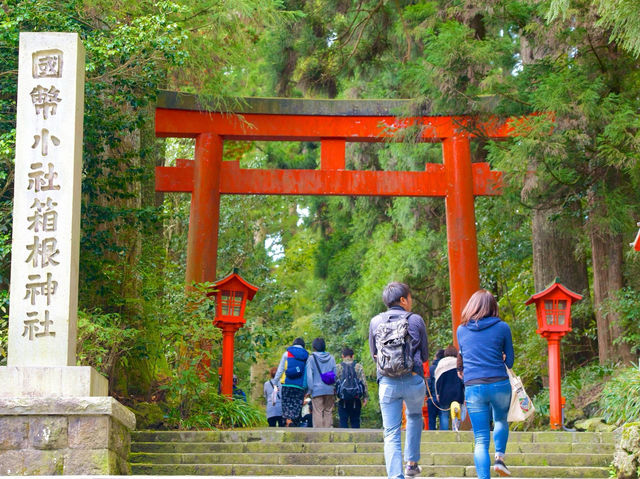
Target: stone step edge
pixel 585 444
pixel 342 454
pixel 363 466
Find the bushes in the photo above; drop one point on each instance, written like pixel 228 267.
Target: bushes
pixel 620 399
pixel 199 406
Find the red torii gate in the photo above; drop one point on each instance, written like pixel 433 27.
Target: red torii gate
pixel 332 123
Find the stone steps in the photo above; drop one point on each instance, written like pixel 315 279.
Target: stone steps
pixel 364 459
pixel 336 452
pixel 367 447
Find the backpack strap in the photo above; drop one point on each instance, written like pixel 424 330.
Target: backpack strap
pixel 402 315
pixel 317 364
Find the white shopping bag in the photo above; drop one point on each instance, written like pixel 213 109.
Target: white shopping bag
pixel 521 406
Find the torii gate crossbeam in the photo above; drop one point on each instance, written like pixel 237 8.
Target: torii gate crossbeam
pixel 332 123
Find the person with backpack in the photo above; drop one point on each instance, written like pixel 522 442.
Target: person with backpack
pixel 273 398
pixel 448 386
pixel 321 378
pixel 291 374
pixel 398 344
pixel 486 351
pixel 351 389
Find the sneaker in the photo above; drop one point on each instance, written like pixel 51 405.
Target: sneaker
pixel 501 468
pixel 412 470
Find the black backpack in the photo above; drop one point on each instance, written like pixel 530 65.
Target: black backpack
pixel 349 387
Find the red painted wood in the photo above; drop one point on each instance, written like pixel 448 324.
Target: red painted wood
pixel 202 242
pixel 183 123
pixel 235 180
pixel 332 154
pixel 461 226
pixel 555 384
pixel 228 339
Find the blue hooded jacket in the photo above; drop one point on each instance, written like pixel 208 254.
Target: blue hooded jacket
pixel 482 343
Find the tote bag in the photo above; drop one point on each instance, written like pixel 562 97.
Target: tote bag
pixel 521 406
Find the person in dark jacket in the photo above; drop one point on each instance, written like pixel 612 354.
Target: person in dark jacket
pixel 448 385
pixel 432 405
pixel 486 350
pixel 292 375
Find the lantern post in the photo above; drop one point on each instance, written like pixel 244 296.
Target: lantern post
pixel 231 294
pixel 553 311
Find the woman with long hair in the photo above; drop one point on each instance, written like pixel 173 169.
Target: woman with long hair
pixel 486 348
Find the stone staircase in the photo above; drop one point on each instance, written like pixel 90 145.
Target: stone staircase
pixel 353 452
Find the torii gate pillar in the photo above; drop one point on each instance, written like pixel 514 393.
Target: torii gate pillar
pixel 461 226
pixel 204 216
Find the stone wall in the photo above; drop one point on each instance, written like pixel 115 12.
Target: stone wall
pixel 626 460
pixel 67 436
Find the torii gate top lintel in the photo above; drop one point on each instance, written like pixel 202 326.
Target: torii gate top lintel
pixel 333 123
pixel 295 119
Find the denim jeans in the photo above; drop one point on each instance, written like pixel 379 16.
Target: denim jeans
pixel 481 400
pixel 433 414
pixel 393 392
pixel 444 420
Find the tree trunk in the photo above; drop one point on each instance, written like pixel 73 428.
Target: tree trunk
pixel 553 247
pixel 606 253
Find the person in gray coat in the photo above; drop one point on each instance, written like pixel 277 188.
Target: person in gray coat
pixel 321 378
pixel 273 397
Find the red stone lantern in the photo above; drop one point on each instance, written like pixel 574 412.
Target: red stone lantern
pixel 553 308
pixel 231 295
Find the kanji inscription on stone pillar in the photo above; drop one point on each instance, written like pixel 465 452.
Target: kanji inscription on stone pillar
pixel 46 208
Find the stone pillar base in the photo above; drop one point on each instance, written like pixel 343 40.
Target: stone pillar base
pixel 63 435
pixel 49 381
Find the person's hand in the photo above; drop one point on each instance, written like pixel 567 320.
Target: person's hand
pixel 364 402
pixel 460 375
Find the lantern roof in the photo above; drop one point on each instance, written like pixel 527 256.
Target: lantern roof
pixel 636 242
pixel 235 279
pixel 552 288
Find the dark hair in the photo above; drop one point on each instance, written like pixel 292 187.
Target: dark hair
pixel 482 304
pixel 319 345
pixel 393 292
pixel 347 352
pixel 298 342
pixel 451 352
pixel 272 371
pixel 439 355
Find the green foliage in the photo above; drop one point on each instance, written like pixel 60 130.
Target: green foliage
pixel 627 303
pixel 194 404
pixel 103 339
pixel 620 400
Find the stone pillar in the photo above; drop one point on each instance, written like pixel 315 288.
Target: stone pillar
pixel 71 436
pixel 55 417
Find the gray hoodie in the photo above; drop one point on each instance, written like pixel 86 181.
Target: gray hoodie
pixel 327 363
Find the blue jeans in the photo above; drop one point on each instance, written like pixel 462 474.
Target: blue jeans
pixel 393 392
pixel 481 400
pixel 444 420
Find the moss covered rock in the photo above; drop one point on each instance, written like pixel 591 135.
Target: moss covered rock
pixel 594 424
pixel 626 459
pixel 149 415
